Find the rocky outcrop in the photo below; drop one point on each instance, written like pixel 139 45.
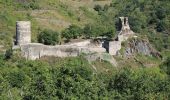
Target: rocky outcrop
pixel 140 46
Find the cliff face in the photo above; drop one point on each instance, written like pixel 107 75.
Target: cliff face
pixel 139 46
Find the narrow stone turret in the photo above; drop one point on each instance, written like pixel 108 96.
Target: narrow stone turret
pixel 125 26
pixel 125 32
pixel 23 32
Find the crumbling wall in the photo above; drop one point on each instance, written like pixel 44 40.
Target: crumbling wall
pixel 82 43
pixel 114 47
pixel 124 34
pixel 35 50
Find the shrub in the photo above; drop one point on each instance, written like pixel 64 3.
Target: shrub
pixel 16 79
pixel 32 4
pixel 96 30
pixel 73 32
pixel 8 54
pixel 98 8
pixel 160 26
pixel 48 37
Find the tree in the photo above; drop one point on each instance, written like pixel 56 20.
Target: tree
pixel 160 12
pixel 73 32
pixel 48 37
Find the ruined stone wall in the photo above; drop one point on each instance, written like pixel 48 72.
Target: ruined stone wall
pixel 114 46
pixel 23 32
pixel 82 43
pixel 35 50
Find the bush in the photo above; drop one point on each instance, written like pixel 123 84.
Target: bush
pixel 8 54
pixel 160 26
pixel 48 37
pixel 73 32
pixel 32 4
pixel 98 8
pixel 16 79
pixel 96 30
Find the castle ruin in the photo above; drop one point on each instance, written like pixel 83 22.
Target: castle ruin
pixel 37 50
pixel 114 46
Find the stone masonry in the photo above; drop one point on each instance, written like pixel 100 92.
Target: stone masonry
pixel 36 50
pixel 23 32
pixel 125 33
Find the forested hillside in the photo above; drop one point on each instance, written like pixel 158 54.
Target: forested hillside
pixel 74 78
pixel 60 21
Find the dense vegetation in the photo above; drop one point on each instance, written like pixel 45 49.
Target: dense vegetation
pixel 74 78
pixel 146 17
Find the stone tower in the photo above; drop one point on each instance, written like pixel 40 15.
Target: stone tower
pixel 125 26
pixel 125 32
pixel 23 32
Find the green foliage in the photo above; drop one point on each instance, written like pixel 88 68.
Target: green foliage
pixel 98 8
pixel 145 17
pixel 29 4
pixel 48 37
pixel 89 31
pixel 8 53
pixel 73 32
pixel 16 79
pixel 142 84
pixel 166 66
pixel 74 78
pixel 93 31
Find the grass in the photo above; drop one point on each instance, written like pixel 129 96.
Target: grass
pixel 51 14
pixel 103 66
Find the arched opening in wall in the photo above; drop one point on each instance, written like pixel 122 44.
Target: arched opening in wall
pixel 118 24
pixel 125 21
